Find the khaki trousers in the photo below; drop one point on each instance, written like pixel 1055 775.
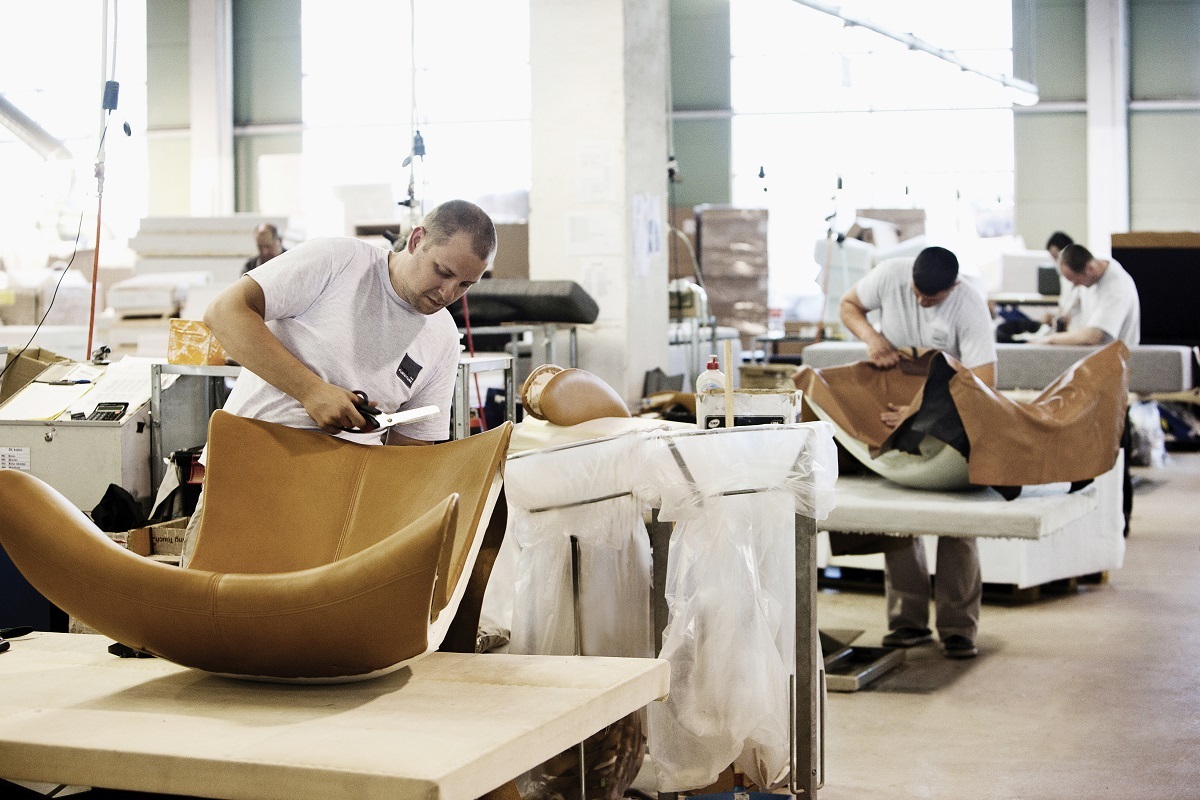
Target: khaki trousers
pixel 959 585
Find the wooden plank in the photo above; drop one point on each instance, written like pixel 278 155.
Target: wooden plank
pixel 1156 239
pixel 448 727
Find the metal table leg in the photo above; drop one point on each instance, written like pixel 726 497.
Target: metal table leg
pixel 807 699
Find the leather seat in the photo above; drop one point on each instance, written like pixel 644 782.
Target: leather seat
pixel 316 559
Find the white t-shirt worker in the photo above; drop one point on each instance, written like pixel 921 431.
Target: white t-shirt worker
pixel 330 303
pixel 924 304
pixel 939 311
pixel 1108 304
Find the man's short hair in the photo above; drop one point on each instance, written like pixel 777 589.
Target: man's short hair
pixel 459 216
pixel 1060 240
pixel 267 227
pixel 1075 257
pixel 934 270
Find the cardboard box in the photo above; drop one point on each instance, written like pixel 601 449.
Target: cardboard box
pixel 166 538
pixel 767 376
pixel 189 341
pixel 750 407
pixel 137 540
pixel 28 365
pixel 20 305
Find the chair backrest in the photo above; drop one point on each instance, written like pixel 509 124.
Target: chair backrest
pixel 279 499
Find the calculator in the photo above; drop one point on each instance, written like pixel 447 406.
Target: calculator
pixel 108 412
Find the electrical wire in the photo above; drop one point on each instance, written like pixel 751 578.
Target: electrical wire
pixel 54 295
pixel 471 352
pixel 110 80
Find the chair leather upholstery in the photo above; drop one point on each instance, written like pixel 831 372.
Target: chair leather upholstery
pixel 569 396
pixel 316 560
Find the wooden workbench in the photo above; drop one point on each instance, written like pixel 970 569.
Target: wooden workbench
pixel 448 727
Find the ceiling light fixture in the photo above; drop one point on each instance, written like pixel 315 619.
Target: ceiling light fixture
pixel 1019 91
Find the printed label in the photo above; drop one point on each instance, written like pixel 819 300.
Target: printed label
pixel 14 458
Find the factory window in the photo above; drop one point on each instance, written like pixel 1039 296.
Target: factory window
pixel 415 69
pixel 830 118
pixel 54 61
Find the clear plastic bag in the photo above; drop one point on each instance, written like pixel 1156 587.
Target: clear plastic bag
pixel 730 588
pixel 730 585
pixel 582 490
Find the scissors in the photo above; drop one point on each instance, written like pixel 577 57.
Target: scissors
pixel 376 420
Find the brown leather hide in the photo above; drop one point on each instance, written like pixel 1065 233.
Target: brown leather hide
pixel 1070 432
pixel 856 394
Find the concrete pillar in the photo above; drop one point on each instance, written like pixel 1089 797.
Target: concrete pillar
pixel 598 211
pixel 1107 123
pixel 210 61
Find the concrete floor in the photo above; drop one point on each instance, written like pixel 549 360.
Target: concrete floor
pixel 1093 694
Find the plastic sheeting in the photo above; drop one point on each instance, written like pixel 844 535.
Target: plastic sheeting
pixel 733 494
pixel 580 490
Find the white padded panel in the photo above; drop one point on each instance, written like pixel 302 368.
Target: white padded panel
pixel 875 505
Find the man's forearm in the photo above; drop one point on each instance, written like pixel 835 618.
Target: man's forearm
pixel 1084 336
pixel 244 335
pixel 855 320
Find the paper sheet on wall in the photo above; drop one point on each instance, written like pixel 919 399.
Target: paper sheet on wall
pixel 647 233
pixel 593 233
pixel 601 278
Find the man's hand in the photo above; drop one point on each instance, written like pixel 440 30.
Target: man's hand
pixel 882 353
pixel 854 316
pixel 332 408
pixel 891 418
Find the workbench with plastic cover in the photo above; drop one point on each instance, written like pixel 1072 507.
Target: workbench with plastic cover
pixel 736 565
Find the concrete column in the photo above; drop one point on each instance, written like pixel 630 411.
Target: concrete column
pixel 1107 122
pixel 210 61
pixel 598 212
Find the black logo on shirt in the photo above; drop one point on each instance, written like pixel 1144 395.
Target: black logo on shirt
pixel 408 371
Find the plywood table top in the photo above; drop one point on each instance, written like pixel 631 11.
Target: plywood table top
pixel 448 727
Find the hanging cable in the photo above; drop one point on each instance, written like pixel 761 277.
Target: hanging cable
pixel 108 105
pixel 471 352
pixel 53 297
pixel 415 206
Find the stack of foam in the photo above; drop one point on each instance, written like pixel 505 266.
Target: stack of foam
pixel 219 245
pixel 178 258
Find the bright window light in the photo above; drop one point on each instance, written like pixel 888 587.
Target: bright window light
pixel 817 103
pixel 466 90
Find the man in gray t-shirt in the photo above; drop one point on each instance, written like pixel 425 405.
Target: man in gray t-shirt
pixel 332 316
pixel 923 304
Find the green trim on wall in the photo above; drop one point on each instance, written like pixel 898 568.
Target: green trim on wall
pixel 700 81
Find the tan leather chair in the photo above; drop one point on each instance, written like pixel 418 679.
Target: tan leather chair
pixel 316 559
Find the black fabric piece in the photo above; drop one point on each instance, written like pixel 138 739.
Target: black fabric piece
pixel 937 417
pixel 1013 326
pixel 1127 478
pixel 500 300
pixel 118 510
pixel 1009 493
pixel 860 544
pixel 1077 485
